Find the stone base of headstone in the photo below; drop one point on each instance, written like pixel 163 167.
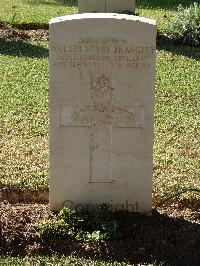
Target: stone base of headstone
pixel 102 74
pixel 106 6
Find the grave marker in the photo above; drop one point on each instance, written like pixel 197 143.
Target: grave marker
pixel 102 72
pixel 106 6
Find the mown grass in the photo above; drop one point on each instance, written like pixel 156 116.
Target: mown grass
pixel 160 10
pixel 35 11
pixel 24 114
pixel 24 110
pixel 41 11
pixel 24 117
pixel 24 102
pixel 64 261
pixel 177 124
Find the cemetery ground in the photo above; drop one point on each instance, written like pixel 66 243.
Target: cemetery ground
pixel 172 234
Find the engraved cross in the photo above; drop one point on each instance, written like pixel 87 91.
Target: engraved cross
pixel 101 115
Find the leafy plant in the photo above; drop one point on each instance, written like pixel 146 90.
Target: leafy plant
pixel 184 26
pixel 104 221
pixel 68 216
pixel 54 228
pixel 82 226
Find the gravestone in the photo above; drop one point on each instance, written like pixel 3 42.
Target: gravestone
pixel 102 72
pixel 106 6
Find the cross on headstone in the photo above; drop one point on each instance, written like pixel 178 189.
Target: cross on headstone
pixel 101 115
pixel 102 79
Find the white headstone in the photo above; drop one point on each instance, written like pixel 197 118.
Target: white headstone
pixel 106 6
pixel 102 73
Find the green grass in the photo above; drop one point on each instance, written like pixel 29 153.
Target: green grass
pixel 64 261
pixel 24 101
pixel 24 114
pixel 24 117
pixel 41 11
pixel 35 11
pixel 160 10
pixel 177 146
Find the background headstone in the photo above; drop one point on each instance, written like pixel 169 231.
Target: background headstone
pixel 106 6
pixel 102 72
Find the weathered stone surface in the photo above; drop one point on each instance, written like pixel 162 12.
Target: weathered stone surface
pixel 91 6
pixel 102 72
pixel 106 6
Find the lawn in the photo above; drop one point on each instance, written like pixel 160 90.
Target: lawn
pixel 64 261
pixel 24 117
pixel 39 12
pixel 24 114
pixel 35 11
pixel 24 122
pixel 160 10
pixel 55 260
pixel 177 113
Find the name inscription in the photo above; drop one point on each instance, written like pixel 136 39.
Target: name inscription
pixel 100 53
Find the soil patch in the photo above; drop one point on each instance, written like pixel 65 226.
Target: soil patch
pixel 42 34
pixel 15 34
pixel 170 235
pixel 16 195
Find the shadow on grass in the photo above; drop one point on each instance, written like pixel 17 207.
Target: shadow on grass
pixel 20 48
pixel 144 239
pixel 26 26
pixel 53 3
pixel 163 4
pixel 31 26
pixel 190 52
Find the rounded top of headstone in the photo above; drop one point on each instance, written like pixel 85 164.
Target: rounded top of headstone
pixel 103 16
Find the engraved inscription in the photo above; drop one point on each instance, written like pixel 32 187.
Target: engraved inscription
pixel 103 52
pixel 102 114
